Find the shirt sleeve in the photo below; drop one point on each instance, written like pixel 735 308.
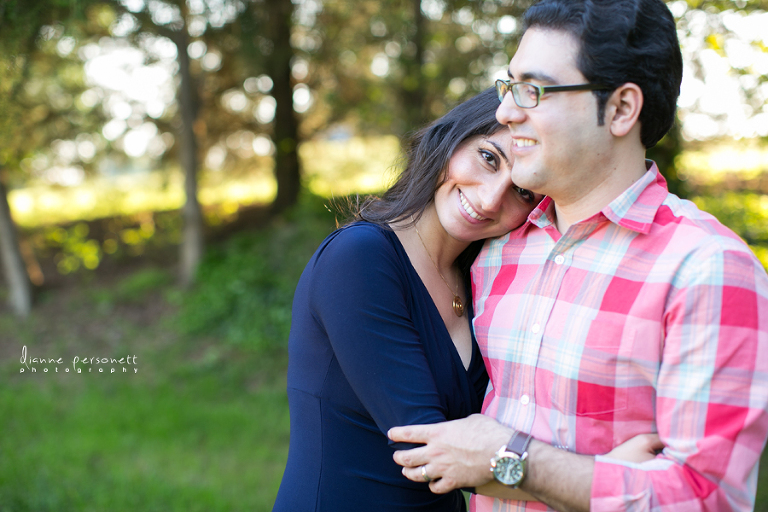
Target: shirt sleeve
pixel 359 294
pixel 712 395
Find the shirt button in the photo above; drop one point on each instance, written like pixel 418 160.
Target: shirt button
pixel 559 259
pixel 525 399
pixel 536 328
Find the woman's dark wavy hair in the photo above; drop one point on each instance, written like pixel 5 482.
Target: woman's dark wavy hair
pixel 426 159
pixel 622 41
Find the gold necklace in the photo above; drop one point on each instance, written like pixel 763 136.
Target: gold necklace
pixel 458 306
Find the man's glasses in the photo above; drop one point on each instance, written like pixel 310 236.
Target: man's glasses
pixel 527 95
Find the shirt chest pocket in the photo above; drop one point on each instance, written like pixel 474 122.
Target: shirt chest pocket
pixel 595 383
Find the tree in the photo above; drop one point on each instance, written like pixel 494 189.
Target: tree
pixel 20 296
pixel 169 19
pixel 38 83
pixel 389 66
pixel 241 66
pixel 278 65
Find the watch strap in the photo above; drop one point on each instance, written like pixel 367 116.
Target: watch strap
pixel 519 443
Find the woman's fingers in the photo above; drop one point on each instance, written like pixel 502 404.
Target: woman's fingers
pixel 640 448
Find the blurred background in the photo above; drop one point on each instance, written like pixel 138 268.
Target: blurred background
pixel 167 167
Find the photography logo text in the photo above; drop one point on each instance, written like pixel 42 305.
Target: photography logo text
pixel 80 364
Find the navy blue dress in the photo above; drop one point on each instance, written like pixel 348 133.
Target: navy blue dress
pixel 368 351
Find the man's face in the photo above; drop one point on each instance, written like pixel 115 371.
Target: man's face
pixel 556 144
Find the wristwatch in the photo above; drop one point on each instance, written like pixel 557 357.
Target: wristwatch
pixel 509 464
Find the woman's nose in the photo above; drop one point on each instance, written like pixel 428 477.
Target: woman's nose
pixel 493 193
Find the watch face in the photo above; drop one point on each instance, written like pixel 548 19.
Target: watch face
pixel 509 470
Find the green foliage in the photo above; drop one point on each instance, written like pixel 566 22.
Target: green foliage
pixel 135 289
pixel 245 288
pixel 75 246
pixel 389 66
pixel 136 286
pixel 84 245
pixel 746 213
pixel 40 81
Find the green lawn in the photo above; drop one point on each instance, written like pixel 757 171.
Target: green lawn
pixel 203 425
pixel 125 444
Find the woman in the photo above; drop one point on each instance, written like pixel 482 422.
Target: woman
pixel 380 334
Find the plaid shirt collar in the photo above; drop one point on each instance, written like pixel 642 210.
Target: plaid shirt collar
pixel 634 209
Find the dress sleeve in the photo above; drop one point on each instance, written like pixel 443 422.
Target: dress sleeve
pixel 359 294
pixel 712 395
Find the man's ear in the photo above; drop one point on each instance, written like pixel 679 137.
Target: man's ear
pixel 623 109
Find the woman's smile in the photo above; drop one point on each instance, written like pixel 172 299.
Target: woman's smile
pixel 468 208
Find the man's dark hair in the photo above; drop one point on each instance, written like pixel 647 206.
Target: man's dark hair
pixel 622 41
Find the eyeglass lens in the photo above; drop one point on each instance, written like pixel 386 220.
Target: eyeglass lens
pixel 525 95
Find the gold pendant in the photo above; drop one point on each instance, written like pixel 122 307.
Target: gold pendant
pixel 458 307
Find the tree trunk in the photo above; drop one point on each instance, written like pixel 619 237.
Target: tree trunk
pixel 192 236
pixel 286 127
pixel 20 296
pixel 413 91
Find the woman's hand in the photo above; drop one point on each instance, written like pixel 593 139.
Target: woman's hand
pixel 641 448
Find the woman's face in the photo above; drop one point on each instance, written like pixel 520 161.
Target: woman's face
pixel 478 199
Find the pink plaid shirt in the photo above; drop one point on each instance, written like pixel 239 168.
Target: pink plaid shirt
pixel 649 316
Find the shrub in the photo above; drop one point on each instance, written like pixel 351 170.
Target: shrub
pixel 244 287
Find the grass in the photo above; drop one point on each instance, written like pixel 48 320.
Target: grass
pixel 203 424
pixel 127 445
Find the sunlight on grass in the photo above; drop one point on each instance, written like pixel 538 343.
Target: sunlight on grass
pixel 357 165
pixel 710 165
pixel 127 195
pixel 331 168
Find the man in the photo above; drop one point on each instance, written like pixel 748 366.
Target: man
pixel 617 309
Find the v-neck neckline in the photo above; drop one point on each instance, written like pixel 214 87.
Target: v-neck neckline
pixel 468 310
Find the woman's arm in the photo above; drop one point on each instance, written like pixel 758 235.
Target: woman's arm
pixel 358 292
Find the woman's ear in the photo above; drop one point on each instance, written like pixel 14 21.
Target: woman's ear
pixel 623 108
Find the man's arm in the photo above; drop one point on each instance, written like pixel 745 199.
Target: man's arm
pixel 641 448
pixel 459 454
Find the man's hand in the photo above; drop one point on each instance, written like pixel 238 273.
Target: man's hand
pixel 457 453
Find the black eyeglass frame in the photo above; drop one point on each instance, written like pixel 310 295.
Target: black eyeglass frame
pixel 505 86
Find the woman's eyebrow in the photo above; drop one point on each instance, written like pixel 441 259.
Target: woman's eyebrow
pixel 501 151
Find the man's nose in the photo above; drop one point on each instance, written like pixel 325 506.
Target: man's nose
pixel 508 111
